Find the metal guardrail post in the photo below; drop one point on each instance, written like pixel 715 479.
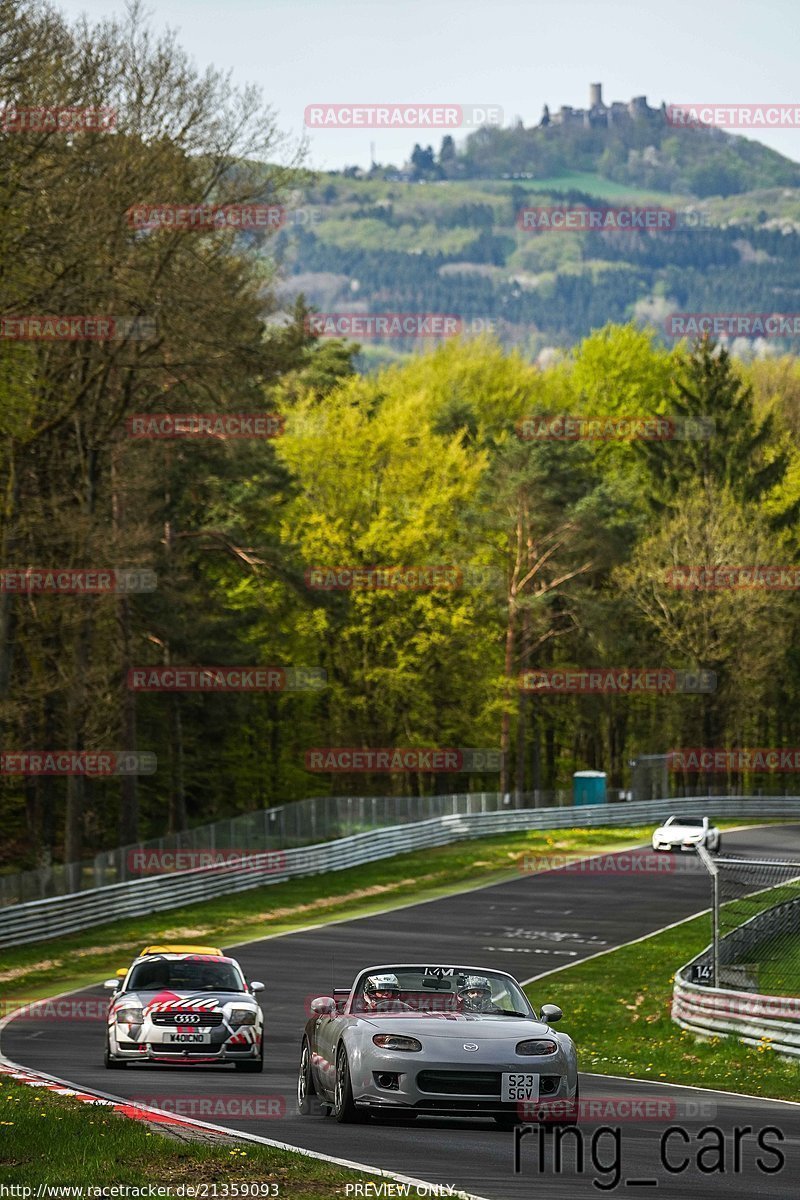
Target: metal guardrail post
pixel 713 871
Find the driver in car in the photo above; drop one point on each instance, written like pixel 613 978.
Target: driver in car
pixel 476 996
pixel 382 994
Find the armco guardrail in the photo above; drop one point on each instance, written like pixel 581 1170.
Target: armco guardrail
pixel 280 827
pixel 748 1016
pixel 40 919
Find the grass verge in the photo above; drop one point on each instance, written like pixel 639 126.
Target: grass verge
pixel 617 1008
pixel 54 1140
pixel 44 968
pixel 779 967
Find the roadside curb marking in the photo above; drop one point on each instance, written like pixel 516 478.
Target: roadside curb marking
pixel 148 1114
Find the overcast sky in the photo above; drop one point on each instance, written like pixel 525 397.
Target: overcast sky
pixel 518 54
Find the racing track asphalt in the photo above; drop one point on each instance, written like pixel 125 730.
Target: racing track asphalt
pixel 526 926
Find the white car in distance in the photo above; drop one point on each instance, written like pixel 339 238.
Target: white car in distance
pixel 687 833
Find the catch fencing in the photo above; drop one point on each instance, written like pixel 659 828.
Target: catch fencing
pixel 746 983
pixel 41 919
pixel 282 827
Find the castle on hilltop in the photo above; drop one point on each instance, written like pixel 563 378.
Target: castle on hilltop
pixel 599 114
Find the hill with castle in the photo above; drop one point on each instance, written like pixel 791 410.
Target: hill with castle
pixel 383 240
pixel 627 142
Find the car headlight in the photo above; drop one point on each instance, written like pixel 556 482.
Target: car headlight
pixel 394 1041
pixel 242 1016
pixel 537 1046
pixel 129 1016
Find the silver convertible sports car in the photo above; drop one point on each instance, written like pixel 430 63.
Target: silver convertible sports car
pixel 185 1008
pixel 436 1039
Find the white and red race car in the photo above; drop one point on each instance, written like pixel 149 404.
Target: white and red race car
pixel 185 1008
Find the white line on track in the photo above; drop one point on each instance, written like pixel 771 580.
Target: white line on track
pixel 692 1087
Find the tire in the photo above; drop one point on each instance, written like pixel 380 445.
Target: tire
pixel 344 1107
pixel 308 1102
pixel 111 1064
pixel 255 1065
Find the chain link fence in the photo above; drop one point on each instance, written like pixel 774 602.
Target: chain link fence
pixel 756 926
pixel 284 827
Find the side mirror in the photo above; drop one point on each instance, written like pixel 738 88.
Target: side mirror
pixel 323 1006
pixel 112 985
pixel 255 986
pixel 551 1013
pixel 122 972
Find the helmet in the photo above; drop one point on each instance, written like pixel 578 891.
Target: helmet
pixel 380 990
pixel 476 993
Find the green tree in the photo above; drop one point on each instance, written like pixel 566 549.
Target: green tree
pixel 725 445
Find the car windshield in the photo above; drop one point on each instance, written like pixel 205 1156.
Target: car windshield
pixel 689 821
pixel 194 974
pixel 432 989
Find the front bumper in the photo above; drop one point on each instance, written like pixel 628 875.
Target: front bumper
pixel 477 1093
pixel 149 1043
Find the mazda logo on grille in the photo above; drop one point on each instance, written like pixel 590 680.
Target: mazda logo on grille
pixel 470 1045
pixel 187 1018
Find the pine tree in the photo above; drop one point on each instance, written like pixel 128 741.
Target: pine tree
pixel 722 442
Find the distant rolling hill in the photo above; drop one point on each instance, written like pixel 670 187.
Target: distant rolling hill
pixel 384 243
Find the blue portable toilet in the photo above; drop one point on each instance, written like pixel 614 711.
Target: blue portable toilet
pixel 589 787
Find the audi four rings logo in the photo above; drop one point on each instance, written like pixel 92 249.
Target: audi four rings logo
pixel 470 1045
pixel 187 1019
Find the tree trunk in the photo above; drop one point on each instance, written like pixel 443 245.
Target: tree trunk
pixel 129 784
pixel 177 792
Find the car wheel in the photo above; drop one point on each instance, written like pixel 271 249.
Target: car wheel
pixel 308 1102
pixel 344 1107
pixel 254 1065
pixel 111 1064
